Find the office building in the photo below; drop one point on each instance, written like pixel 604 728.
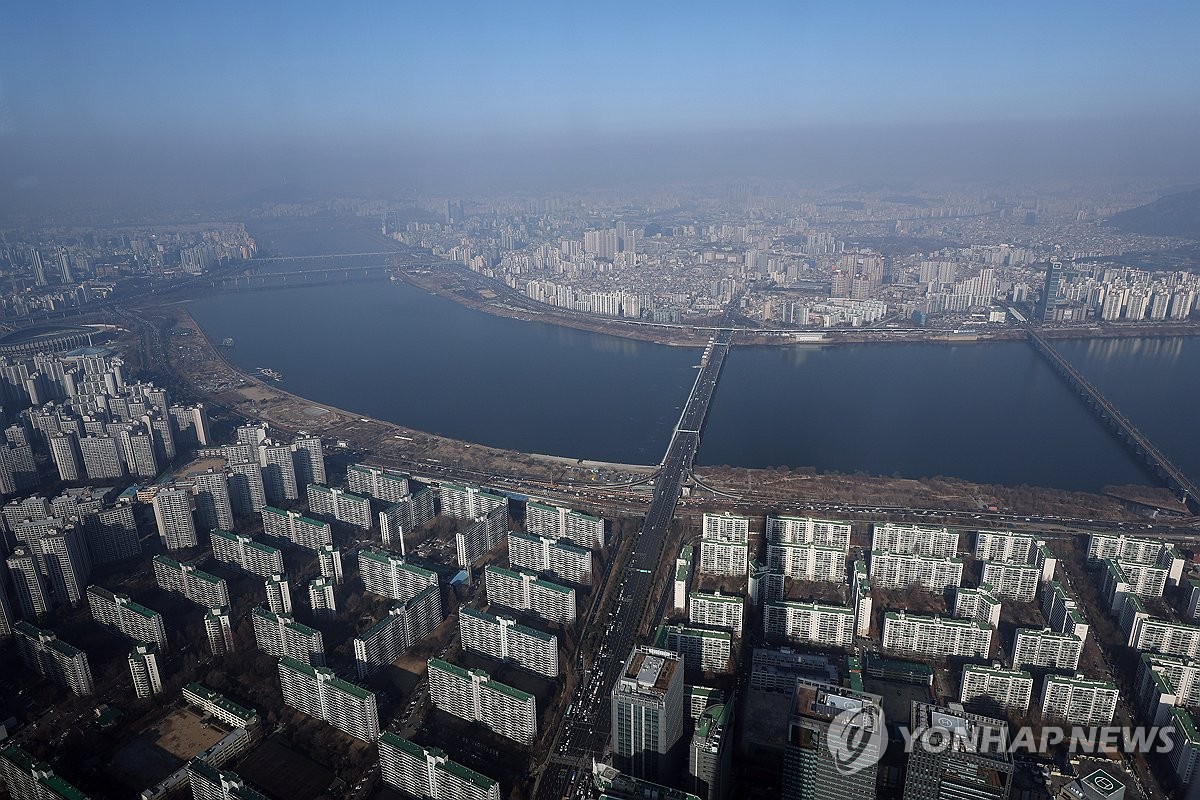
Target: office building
pixel 1079 700
pixel 808 531
pixel 279 635
pixel 475 697
pixel 219 629
pixel 246 554
pixel 25 778
pixel 957 755
pixel 388 574
pixel 343 506
pixel 294 527
pixel 914 539
pixel 426 772
pixel 710 755
pixel 47 655
pixel 1004 688
pixel 143 668
pixel 936 637
pixel 563 560
pixel 196 585
pixel 648 715
pixel 121 615
pixel 893 570
pixel 701 649
pixel 384 485
pixel 557 523
pixel 405 624
pixel 480 537
pixel 407 514
pixel 321 598
pixel 1045 648
pixel 810 768
pixel 279 593
pixel 214 509
pixel 797 622
pixel 173 513
pixel 524 591
pixel 502 638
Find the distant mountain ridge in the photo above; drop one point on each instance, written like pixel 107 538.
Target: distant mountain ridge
pixel 1170 215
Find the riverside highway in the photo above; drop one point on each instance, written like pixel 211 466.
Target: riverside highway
pixel 584 732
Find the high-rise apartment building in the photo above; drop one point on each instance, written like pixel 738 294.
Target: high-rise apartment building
pixel 1004 688
pixel 296 528
pixel 279 636
pixel 321 598
pixel 1079 700
pixel 219 629
pixel 247 494
pixel 390 575
pixel 717 610
pixel 214 508
pixel 808 531
pixel 47 655
pixel 384 485
pixel 829 625
pixel 25 778
pixel 702 649
pixel 279 593
pixel 143 668
pixel 33 596
pixel 521 590
pixel 246 554
pixel 173 513
pixel 120 614
pixel 475 697
pixel 203 589
pixel 1045 648
pixel 406 514
pixel 405 624
pixel 429 773
pixel 278 472
pixel 482 536
pixel 556 522
pixel 936 637
pixel 343 506
pixel 916 539
pixel 330 561
pixel 710 755
pixel 563 560
pixel 502 638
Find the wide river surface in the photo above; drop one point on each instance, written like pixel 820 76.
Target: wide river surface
pixel 992 412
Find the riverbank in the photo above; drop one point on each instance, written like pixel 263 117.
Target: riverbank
pixel 460 285
pixel 597 486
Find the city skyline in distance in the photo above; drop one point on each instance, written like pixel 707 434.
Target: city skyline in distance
pixel 199 104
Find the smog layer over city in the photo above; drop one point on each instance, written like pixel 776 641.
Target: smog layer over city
pixel 547 401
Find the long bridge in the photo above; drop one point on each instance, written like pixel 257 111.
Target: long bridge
pixel 1137 441
pixel 254 279
pixel 588 729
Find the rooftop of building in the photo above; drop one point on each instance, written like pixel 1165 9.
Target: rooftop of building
pixel 652 670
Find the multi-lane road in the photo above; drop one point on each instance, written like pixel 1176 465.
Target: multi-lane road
pixel 584 731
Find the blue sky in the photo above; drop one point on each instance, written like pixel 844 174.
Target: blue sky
pixel 520 69
pixel 243 94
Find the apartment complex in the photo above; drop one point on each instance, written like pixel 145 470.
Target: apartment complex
pixel 319 693
pixel 405 624
pixel 521 590
pixel 120 614
pixel 246 554
pixel 504 639
pixel 196 585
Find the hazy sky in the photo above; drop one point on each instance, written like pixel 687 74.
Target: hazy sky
pixel 265 90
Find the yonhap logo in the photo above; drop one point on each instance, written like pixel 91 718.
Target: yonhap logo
pixel 857 738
